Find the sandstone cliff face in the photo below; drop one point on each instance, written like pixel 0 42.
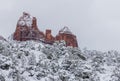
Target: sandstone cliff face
pixel 48 37
pixel 27 29
pixel 66 35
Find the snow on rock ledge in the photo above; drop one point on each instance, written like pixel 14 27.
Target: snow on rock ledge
pixel 65 30
pixel 25 20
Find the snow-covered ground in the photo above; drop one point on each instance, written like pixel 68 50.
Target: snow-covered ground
pixel 35 61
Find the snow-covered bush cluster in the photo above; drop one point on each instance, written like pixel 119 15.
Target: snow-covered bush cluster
pixel 35 61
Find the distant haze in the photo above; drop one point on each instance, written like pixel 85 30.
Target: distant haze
pixel 96 23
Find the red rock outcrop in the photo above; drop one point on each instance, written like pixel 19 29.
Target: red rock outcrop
pixel 49 39
pixel 66 35
pixel 27 29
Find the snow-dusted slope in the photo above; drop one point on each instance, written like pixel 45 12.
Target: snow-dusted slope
pixel 2 38
pixel 35 61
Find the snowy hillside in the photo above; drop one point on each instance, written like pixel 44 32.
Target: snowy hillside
pixel 35 61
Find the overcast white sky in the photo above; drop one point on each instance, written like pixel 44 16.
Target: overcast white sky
pixel 96 23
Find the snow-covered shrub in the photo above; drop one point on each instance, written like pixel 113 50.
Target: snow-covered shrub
pixel 35 61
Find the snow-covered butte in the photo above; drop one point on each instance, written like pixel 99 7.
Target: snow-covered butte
pixel 27 29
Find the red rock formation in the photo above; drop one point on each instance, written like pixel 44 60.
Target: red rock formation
pixel 48 37
pixel 66 35
pixel 27 30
